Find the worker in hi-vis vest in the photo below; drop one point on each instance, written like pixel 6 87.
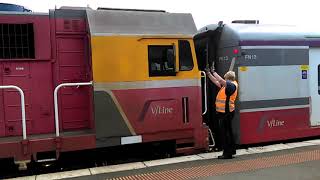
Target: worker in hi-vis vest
pixel 225 106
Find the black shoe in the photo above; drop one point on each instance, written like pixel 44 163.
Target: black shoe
pixel 234 152
pixel 225 157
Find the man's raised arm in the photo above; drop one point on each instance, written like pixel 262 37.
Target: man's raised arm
pixel 213 79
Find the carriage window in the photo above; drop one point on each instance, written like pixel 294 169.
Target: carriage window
pixel 161 60
pixel 185 56
pixel 16 41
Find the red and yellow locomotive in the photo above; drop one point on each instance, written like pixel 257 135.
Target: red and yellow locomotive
pixel 97 78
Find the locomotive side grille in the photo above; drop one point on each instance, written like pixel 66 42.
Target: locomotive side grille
pixel 66 24
pixel 71 25
pixel 17 41
pixel 75 25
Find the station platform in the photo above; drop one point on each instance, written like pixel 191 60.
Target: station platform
pixel 281 161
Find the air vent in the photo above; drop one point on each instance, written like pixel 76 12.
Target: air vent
pixel 71 25
pixel 75 25
pixel 67 25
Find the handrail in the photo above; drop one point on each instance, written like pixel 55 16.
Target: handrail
pixel 205 92
pixel 55 96
pixel 23 110
pixel 212 139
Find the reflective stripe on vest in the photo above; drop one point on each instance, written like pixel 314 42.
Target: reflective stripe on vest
pixel 222 109
pixel 221 99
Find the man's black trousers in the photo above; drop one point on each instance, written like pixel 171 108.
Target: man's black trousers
pixel 226 134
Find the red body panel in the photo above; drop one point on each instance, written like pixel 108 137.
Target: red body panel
pixel 145 102
pixel 157 113
pixel 41 25
pixel 73 66
pixel 61 55
pixel 266 126
pixel 22 150
pixel 34 77
pixel 39 78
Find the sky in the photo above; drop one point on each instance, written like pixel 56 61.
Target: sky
pixel 204 12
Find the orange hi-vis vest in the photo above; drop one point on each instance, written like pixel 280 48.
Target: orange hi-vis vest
pixel 221 99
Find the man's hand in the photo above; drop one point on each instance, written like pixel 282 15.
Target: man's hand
pixel 207 70
pixel 212 78
pixel 212 68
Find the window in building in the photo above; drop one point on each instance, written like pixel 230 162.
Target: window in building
pixel 161 60
pixel 185 56
pixel 17 41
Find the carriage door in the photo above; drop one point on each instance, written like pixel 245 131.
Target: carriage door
pixel 73 68
pixel 314 84
pixel 18 74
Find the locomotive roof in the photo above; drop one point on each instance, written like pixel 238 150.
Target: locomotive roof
pixel 261 34
pixel 124 22
pixel 25 13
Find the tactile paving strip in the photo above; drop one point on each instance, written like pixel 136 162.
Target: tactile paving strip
pixel 228 167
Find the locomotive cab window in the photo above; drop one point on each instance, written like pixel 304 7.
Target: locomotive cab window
pixel 185 56
pixel 161 60
pixel 17 41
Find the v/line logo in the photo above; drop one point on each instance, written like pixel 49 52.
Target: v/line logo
pixel 275 123
pixel 157 110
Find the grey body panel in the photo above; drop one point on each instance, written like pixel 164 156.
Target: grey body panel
pixel 274 57
pixel 273 103
pixel 258 34
pixel 69 13
pixel 108 22
pixel 108 142
pixel 258 83
pixel 267 32
pixel 109 122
